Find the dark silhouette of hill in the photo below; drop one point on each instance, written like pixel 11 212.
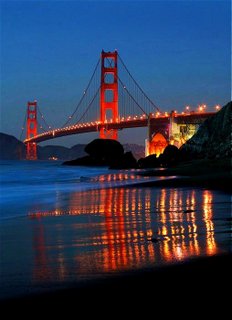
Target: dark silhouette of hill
pixel 13 149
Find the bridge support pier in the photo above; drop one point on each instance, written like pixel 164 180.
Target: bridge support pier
pixel 31 147
pixel 158 135
pixel 174 129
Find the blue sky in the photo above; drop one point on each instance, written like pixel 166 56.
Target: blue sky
pixel 178 51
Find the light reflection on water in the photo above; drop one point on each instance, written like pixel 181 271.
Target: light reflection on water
pixel 107 230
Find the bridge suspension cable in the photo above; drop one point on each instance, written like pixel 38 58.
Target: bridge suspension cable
pixel 89 106
pixel 43 119
pixel 145 95
pixel 130 95
pixel 70 118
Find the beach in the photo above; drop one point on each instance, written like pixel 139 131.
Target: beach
pixel 109 231
pixel 197 285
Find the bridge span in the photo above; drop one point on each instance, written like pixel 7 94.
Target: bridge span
pixel 116 105
pixel 171 128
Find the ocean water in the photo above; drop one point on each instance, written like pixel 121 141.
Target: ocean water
pixel 61 225
pixel 35 185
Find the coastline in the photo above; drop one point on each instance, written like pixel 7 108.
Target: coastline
pixel 220 182
pixel 204 173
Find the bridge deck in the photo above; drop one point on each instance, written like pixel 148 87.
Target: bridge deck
pixel 128 123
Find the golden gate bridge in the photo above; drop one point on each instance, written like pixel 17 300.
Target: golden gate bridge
pixel 116 103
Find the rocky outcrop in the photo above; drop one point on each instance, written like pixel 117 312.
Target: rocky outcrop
pixel 150 161
pixel 105 152
pixel 170 157
pixel 213 138
pixel 126 161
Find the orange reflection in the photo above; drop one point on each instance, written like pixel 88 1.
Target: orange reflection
pixel 41 270
pixel 207 216
pixel 179 227
pixel 110 229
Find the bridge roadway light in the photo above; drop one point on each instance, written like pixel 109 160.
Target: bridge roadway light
pixel 217 107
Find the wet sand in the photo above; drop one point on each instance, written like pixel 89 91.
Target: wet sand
pixel 201 283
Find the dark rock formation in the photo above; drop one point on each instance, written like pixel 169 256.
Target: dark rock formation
pixel 170 156
pixel 149 162
pixel 213 138
pixel 11 148
pixel 105 152
pixel 126 161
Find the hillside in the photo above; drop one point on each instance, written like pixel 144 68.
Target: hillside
pixel 60 152
pixel 213 138
pixel 137 150
pixel 13 149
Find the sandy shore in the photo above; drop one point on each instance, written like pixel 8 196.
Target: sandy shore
pixel 199 282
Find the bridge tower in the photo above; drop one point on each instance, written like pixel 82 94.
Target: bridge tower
pixel 109 93
pixel 31 130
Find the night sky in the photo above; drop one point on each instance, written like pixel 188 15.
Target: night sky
pixel 178 51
